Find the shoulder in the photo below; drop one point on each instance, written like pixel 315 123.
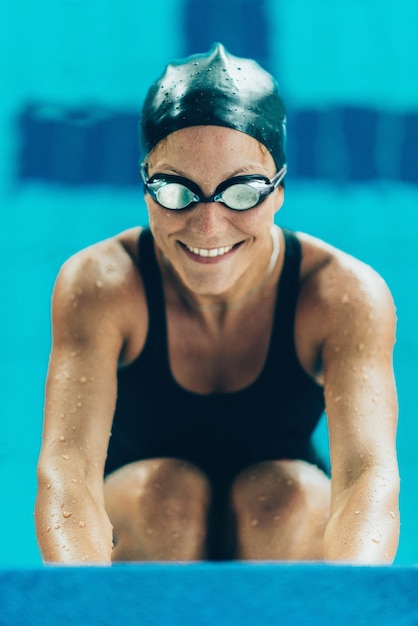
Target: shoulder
pixel 100 288
pixel 103 266
pixel 344 304
pixel 337 279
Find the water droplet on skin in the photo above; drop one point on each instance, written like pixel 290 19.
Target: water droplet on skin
pixel 254 523
pixel 57 527
pixel 338 399
pixel 376 540
pixel 62 438
pixel 73 480
pixel 345 299
pixel 67 514
pixel 81 524
pixel 392 514
pixel 79 404
pixel 356 512
pixel 65 457
pixel 361 346
pixel 83 379
pixel 48 528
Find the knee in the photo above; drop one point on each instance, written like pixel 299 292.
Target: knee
pixel 266 493
pixel 174 488
pixel 159 489
pixel 158 509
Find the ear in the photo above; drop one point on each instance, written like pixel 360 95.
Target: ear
pixel 278 198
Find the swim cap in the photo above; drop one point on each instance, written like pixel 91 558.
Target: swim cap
pixel 216 89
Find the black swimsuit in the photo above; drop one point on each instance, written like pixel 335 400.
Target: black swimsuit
pixel 222 433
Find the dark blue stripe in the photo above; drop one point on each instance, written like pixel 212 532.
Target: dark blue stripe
pixel 242 27
pixel 96 146
pixel 76 147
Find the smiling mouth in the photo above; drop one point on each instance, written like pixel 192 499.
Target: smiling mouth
pixel 209 252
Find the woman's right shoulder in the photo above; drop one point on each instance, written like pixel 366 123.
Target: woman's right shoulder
pixel 106 269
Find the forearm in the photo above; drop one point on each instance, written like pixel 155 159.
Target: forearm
pixel 71 524
pixel 364 525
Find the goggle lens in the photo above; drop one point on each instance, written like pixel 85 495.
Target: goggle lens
pixel 175 196
pixel 240 197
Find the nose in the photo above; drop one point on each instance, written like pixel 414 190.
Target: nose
pixel 208 218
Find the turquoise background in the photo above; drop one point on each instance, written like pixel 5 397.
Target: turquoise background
pixel 328 54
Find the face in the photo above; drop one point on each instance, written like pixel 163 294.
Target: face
pixel 211 248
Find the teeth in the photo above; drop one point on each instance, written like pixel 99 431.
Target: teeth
pixel 213 252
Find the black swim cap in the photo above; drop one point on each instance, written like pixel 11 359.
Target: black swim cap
pixel 216 89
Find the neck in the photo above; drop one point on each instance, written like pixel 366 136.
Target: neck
pixel 228 306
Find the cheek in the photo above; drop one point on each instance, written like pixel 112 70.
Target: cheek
pixel 163 222
pixel 259 218
pixel 157 215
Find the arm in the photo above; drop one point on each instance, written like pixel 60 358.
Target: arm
pixel 361 405
pixel 71 522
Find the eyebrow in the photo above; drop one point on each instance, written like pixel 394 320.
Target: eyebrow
pixel 249 169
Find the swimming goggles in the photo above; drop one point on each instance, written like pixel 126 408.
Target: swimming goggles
pixel 238 193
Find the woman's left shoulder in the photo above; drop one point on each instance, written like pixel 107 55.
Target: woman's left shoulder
pixel 339 278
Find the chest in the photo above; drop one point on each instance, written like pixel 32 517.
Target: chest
pixel 223 357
